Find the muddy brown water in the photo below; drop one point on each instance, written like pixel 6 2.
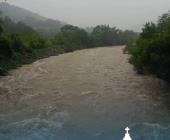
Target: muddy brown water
pixel 91 94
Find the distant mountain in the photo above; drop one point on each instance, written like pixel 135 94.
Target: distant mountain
pixel 42 24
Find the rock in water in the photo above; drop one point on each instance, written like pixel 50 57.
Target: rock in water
pixel 3 72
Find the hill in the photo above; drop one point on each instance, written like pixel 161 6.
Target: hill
pixel 42 24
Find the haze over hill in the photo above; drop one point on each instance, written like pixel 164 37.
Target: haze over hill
pixel 37 22
pixel 125 14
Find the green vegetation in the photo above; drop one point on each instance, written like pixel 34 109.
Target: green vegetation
pixel 151 52
pixel 21 44
pixel 103 35
pixel 43 25
pixel 71 38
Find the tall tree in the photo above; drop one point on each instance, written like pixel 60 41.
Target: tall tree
pixel 151 52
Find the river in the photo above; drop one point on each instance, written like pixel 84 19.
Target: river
pixel 90 94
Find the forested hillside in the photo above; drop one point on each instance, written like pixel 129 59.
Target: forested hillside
pixel 41 24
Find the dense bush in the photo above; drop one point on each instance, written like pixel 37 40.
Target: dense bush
pixel 73 38
pixel 103 35
pixel 151 52
pixel 20 44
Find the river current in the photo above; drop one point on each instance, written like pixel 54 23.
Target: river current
pixel 91 94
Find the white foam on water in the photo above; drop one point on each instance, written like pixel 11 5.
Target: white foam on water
pixel 151 131
pixel 35 128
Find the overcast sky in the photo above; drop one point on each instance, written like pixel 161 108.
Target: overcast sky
pixel 124 14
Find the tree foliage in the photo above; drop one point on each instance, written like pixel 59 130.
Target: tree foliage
pixel 73 38
pixel 151 52
pixel 103 35
pixel 1 29
pixel 19 44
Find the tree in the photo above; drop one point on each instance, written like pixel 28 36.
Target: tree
pixel 1 29
pixel 71 38
pixel 103 35
pixel 151 52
